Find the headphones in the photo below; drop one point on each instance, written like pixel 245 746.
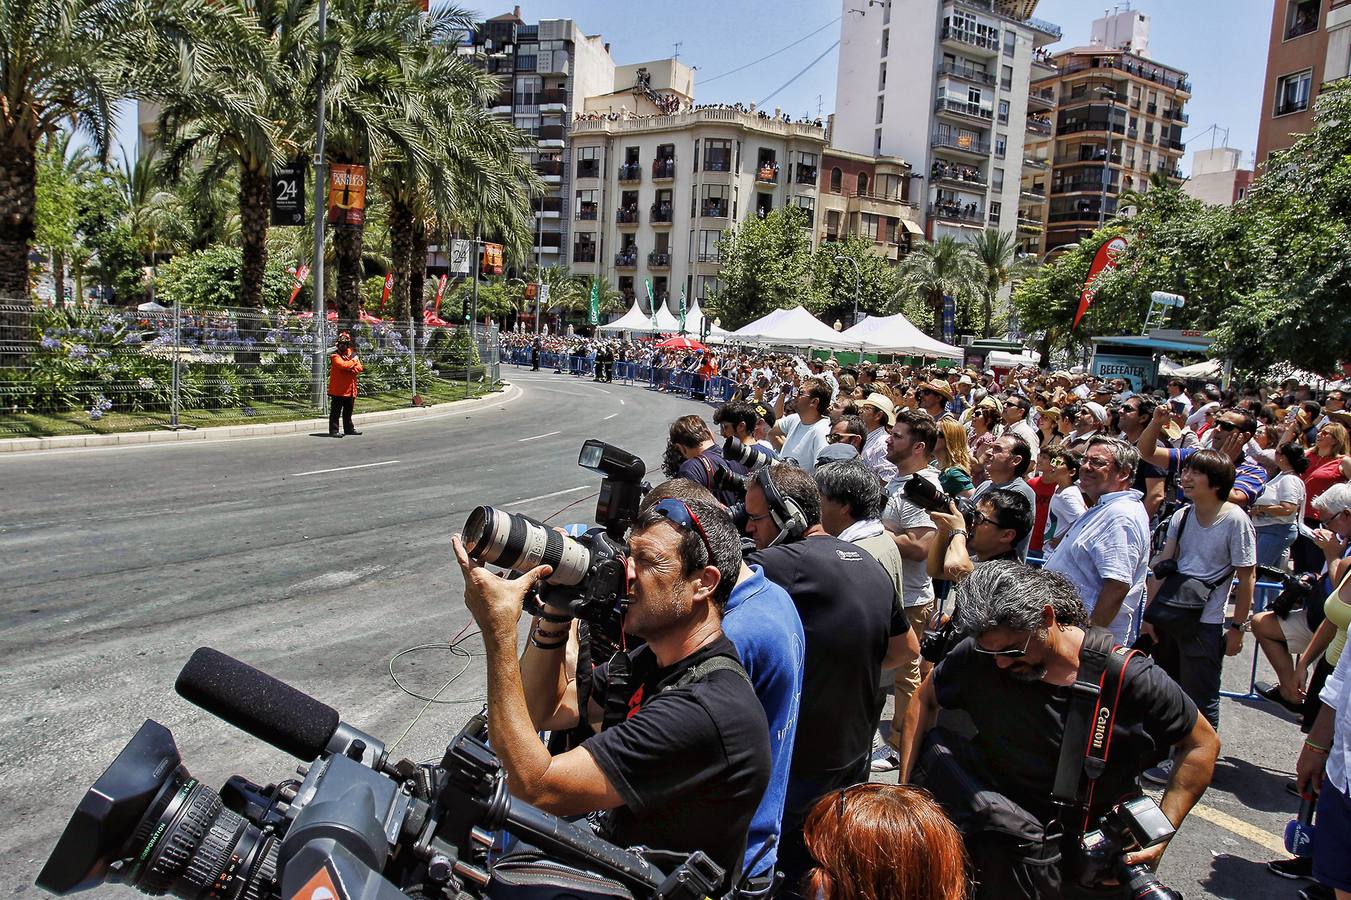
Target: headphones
pixel 783 510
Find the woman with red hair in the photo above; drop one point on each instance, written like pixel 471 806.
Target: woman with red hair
pixel 883 842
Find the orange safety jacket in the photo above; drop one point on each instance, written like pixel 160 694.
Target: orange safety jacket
pixel 342 375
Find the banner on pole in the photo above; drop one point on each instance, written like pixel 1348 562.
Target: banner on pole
pixel 593 313
pixel 440 292
pixel 288 194
pixel 492 259
pixel 683 310
pixel 346 195
pixel 389 285
pixel 300 275
pixel 1103 262
pixel 460 253
pixel 949 318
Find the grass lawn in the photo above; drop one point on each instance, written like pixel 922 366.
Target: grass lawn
pixel 18 425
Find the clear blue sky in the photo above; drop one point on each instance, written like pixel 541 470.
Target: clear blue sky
pixel 1220 43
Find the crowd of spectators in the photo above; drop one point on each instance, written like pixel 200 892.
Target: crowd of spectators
pixel 669 104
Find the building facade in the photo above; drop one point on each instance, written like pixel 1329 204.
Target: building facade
pixel 650 196
pixel 867 196
pixel 1118 121
pixel 1300 58
pixel 1217 177
pixel 945 85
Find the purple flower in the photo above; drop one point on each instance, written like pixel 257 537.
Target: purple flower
pixel 51 343
pixel 78 351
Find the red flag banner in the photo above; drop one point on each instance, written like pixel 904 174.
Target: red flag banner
pixel 1103 262
pixel 300 275
pixel 440 291
pixel 389 286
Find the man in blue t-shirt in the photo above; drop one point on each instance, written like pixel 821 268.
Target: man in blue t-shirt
pixel 1233 429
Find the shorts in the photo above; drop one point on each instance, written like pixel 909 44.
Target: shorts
pixel 1295 630
pixel 1332 834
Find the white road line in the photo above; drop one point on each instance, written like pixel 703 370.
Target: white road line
pixel 621 401
pixel 537 437
pixel 609 417
pixel 546 496
pixel 388 462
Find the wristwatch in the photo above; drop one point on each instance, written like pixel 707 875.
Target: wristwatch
pixel 1237 626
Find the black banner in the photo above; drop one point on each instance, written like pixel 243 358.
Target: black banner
pixel 288 193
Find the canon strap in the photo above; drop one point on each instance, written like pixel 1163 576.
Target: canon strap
pixel 1089 719
pixel 617 697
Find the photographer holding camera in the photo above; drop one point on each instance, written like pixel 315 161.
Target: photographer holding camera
pixel 1065 721
pixel 997 523
pixel 685 767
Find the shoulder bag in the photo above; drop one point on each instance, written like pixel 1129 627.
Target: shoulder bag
pixel 1180 599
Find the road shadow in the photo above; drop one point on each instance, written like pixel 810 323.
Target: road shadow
pixel 1235 878
pixel 323 434
pixel 1256 787
pixel 1259 704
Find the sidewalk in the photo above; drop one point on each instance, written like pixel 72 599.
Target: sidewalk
pixel 233 432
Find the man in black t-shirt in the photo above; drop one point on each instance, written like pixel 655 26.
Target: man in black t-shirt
pixel 1013 675
pixel 691 437
pixel 854 630
pixel 686 763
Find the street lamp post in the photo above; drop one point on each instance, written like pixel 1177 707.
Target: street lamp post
pixel 320 209
pixel 858 277
pixel 1107 162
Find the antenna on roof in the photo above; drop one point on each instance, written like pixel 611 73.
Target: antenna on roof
pixel 677 49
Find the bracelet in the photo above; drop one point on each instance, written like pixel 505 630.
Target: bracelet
pixel 550 646
pixel 961 531
pixel 555 618
pixel 1317 748
pixel 549 632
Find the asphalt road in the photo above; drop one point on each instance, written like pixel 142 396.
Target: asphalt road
pixel 318 560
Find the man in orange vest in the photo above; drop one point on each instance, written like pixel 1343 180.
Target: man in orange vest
pixel 343 369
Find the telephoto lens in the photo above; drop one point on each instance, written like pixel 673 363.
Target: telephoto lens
pixel 749 455
pixel 519 543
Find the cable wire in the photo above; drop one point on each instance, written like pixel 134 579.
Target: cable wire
pixel 775 53
pixel 453 645
pixel 798 75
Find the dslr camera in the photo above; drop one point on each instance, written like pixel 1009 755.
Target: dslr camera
pixel 930 498
pixel 1135 824
pixel 751 456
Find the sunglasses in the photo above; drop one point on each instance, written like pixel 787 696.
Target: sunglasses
pixel 979 518
pixel 1011 653
pixel 1226 426
pixel 836 438
pixel 681 516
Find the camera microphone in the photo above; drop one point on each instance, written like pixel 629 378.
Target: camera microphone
pixel 271 710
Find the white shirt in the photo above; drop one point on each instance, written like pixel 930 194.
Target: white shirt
pixel 1336 694
pixel 900 515
pixel 805 442
pixel 1287 487
pixel 874 454
pixel 1110 541
pixel 1067 505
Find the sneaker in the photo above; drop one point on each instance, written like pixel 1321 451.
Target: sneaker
pixel 1159 774
pixel 884 759
pixel 1317 892
pixel 1296 867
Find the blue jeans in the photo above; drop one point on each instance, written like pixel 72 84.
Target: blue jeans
pixel 1273 541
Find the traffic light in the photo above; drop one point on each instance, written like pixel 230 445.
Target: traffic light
pixel 466 311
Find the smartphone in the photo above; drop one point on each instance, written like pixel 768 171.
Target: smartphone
pixel 1177 406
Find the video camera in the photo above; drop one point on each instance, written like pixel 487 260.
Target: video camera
pixel 355 827
pixel 1137 823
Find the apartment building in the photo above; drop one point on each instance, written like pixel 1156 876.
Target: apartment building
pixel 651 195
pixel 945 85
pixel 867 196
pixel 1218 177
pixel 1118 117
pixel 1310 46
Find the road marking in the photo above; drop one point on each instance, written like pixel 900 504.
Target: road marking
pixel 609 417
pixel 621 401
pixel 537 437
pixel 546 496
pixel 388 462
pixel 1239 827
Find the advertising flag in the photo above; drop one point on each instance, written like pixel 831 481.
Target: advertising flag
pixel 1103 262
pixel 440 292
pixel 300 275
pixel 288 193
pixel 460 251
pixel 683 310
pixel 346 195
pixel 593 314
pixel 389 285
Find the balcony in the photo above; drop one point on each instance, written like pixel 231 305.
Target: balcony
pixel 663 169
pixel 661 213
pixel 588 212
pixel 1039 165
pixel 1034 194
pixel 658 259
pixel 1030 226
pixel 956 212
pixel 627 215
pixel 970 39
pixel 967 73
pixel 583 253
pixel 1043 99
pixel 501 104
pixel 963 143
pixel 551 170
pixel 1084 185
pixel 712 258
pixel 1151 109
pixel 767 174
pixel 1176 145
pixel 588 168
pixel 550 204
pixel 806 174
pixel 1038 126
pixel 1177 115
pixel 964 108
pixel 550 135
pixel 630 172
pixel 548 242
pixel 966 176
pixel 553 97
pixel 713 209
pixel 1286 107
pixel 627 259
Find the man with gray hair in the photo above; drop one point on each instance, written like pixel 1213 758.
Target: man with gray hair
pixel 1026 637
pixel 1105 554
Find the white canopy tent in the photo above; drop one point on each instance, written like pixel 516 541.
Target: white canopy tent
pixel 636 320
pixel 896 334
pixel 151 306
pixel 694 324
pixel 1211 369
pixel 1012 360
pixel 791 328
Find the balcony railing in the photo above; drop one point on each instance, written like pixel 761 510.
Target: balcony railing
pixel 956 212
pixel 964 107
pixel 806 174
pixel 553 95
pixel 630 172
pixel 1043 99
pixel 549 239
pixel 1039 126
pixel 661 213
pixel 582 254
pixel 716 209
pixel 552 203
pixel 768 174
pixel 626 259
pixel 1075 185
pixel 663 168
pixel 1151 109
pixel 549 167
pixel 963 142
pixel 967 175
pixel 968 73
pixel 658 260
pixel 1177 145
pixel 627 215
pixel 961 35
pixel 1178 115
pixel 587 212
pixel 588 168
pixel 713 257
pixel 1291 106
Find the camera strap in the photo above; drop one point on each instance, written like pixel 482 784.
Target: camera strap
pixel 1089 719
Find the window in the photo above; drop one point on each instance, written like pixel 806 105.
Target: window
pixel 1001 143
pixel 717 155
pixel 708 246
pixel 1301 18
pixel 528 124
pixel 767 166
pixel 877 142
pixel 808 205
pixel 805 170
pixel 868 226
pixel 626 287
pixel 764 204
pixel 886 41
pixel 588 205
pixel 1006 77
pixel 714 201
pixel 588 162
pixel 888 186
pixel 973 96
pixel 996 209
pixel 1010 43
pixel 696 154
pixel 997 179
pixel 527 90
pixel 862 184
pixel 836 178
pixel 1292 92
pixel 1003 112
pixel 881 107
pixel 882 77
pixel 833 225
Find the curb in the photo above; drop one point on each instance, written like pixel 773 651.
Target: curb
pixel 234 432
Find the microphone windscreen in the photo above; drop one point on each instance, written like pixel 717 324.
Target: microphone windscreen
pixel 257 703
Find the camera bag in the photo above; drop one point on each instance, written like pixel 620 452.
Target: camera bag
pixel 1178 604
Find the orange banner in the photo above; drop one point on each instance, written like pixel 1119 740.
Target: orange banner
pixel 346 195
pixel 1103 262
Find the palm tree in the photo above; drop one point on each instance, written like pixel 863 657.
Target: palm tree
pixel 998 260
pixel 933 270
pixel 68 167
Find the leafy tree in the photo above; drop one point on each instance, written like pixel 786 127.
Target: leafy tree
pixel 997 256
pixel 932 270
pixel 210 279
pixel 101 221
pixel 61 171
pixel 766 265
pixel 834 279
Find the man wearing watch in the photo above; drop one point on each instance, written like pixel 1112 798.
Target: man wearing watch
pixel 1002 518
